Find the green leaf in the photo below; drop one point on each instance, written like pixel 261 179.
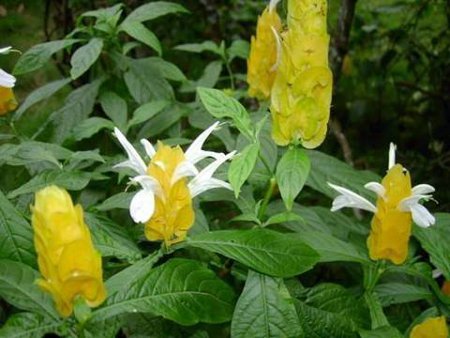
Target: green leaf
pixel 287 216
pixel 91 126
pixel 238 48
pixel 30 325
pixel 332 249
pixel 381 332
pixel 263 250
pixel 72 180
pixel 16 235
pixel 147 111
pixel 431 241
pixel 39 55
pixel 146 82
pixel 242 166
pixel 115 108
pixel 329 310
pixel 111 239
pixel 209 78
pixel 40 94
pixel 154 10
pixel 121 200
pixel 291 174
pixel 265 309
pixel 18 287
pixel 141 33
pixel 220 105
pixel 329 169
pixel 169 70
pixel 123 280
pixel 398 293
pixel 377 315
pixel 84 158
pixel 180 290
pixel 77 107
pixel 103 13
pixel 84 57
pixel 206 46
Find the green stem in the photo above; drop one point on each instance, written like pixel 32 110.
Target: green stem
pixel 230 74
pixel 267 196
pixel 264 162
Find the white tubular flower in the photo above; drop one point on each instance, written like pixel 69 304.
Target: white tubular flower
pixel 5 50
pixel 164 202
pixel 350 199
pixel 6 80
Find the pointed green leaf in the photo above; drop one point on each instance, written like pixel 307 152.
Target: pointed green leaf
pixel 242 166
pixel 18 287
pixel 90 127
pixel 118 201
pixel 154 10
pixel 141 33
pixel 263 250
pixel 16 235
pixel 398 293
pixel 115 108
pixel 291 174
pixel 38 55
pixel 30 325
pixel 84 57
pixel 180 290
pixel 147 111
pixel 264 310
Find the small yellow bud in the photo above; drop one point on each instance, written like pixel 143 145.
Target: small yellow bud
pixel 69 264
pixel 262 61
pixel 7 100
pixel 430 328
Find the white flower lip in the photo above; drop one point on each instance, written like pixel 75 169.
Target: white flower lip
pixel 348 198
pixel 5 50
pixel 6 80
pixel 273 4
pixel 142 205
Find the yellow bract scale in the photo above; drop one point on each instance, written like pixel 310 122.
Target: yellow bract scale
pixel 7 100
pixel 391 227
pixel 263 55
pixel 68 262
pixel 301 93
pixel 174 214
pixel 430 328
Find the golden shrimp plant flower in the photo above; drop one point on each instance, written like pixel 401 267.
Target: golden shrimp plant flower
pixel 69 264
pixel 7 81
pixel 264 53
pixel 301 93
pixel 434 327
pixel 398 204
pixel 164 202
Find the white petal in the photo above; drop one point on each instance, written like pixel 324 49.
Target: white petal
pixel 142 206
pixel 350 199
pixel 148 183
pixel 6 80
pixel 195 153
pixel 184 169
pixel 392 149
pixel 273 4
pixel 279 50
pixel 5 50
pixel 149 149
pixel 422 189
pixel 436 273
pixel 205 176
pixel 421 216
pixel 135 161
pixel 212 183
pixel 377 188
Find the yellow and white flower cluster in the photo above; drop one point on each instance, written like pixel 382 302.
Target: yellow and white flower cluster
pixel 7 82
pixel 164 202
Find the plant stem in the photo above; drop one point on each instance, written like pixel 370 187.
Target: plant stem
pixel 267 196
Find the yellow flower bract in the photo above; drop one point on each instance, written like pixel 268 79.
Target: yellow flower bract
pixel 263 55
pixel 68 262
pixel 174 214
pixel 391 228
pixel 7 100
pixel 430 328
pixel 301 93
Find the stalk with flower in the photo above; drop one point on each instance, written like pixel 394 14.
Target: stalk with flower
pixel 7 82
pixel 398 204
pixel 301 93
pixel 264 53
pixel 70 265
pixel 164 203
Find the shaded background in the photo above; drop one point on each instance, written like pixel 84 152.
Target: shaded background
pixel 391 61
